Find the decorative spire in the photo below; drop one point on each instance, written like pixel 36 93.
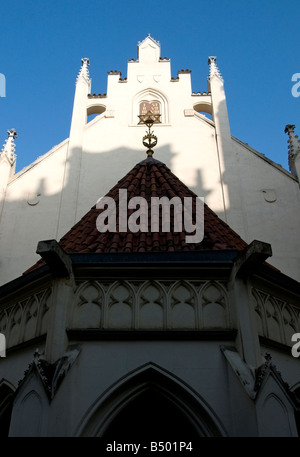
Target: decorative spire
pixel 213 68
pixel 149 140
pixel 9 146
pixel 294 147
pixel 84 70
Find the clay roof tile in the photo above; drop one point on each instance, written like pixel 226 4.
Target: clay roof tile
pixel 148 178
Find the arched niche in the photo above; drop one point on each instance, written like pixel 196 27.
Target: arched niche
pixel 15 326
pixel 87 306
pixel 183 306
pixel 30 318
pixel 150 97
pixel 95 110
pixel 289 321
pixel 214 306
pixel 273 319
pixel 120 301
pixel 204 108
pixel 151 299
pixel 257 304
pixel 31 407
pixel 274 418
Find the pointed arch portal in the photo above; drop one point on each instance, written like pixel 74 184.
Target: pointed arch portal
pixel 153 415
pixel 150 403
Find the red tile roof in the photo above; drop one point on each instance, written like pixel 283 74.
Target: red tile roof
pixel 149 178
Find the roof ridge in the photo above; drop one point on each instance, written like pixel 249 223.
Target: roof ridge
pixel 148 178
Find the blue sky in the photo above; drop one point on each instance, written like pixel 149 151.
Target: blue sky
pixel 42 42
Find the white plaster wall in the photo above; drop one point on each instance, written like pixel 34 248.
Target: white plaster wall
pixel 28 217
pixel 112 145
pixel 100 364
pixel 201 365
pixel 274 222
pixel 187 147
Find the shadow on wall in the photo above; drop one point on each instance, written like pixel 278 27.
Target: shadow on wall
pixel 38 216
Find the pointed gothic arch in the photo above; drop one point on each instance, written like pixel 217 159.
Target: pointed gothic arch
pixel 274 417
pixel 152 305
pixel 215 312
pixel 116 409
pixel 120 302
pixel 182 305
pixel 87 309
pixel 6 401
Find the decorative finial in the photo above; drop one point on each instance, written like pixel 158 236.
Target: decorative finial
pixel 294 147
pixel 213 68
pixel 9 146
pixel 149 36
pixel 84 70
pixel 12 133
pixel 149 140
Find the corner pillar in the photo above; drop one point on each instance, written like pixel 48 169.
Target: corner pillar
pixel 71 184
pixel 244 266
pixel 60 266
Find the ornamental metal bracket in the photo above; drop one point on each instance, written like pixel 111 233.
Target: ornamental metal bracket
pixel 149 140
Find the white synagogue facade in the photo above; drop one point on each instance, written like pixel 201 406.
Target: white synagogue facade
pixel 122 335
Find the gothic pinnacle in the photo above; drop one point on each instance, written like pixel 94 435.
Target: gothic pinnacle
pixel 294 146
pixel 9 146
pixel 213 68
pixel 84 70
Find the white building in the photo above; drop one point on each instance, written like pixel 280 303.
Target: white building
pixel 123 323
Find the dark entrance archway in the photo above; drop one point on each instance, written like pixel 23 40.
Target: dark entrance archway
pixel 150 402
pixel 151 416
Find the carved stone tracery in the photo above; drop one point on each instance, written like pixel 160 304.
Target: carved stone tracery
pixel 276 319
pixel 153 304
pixel 25 319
